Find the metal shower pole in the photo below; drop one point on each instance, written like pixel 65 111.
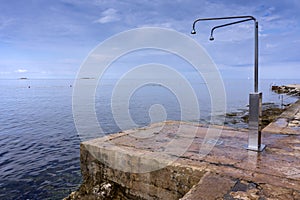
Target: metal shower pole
pixel 255 98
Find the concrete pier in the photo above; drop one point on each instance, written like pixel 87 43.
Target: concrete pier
pixel 288 122
pixel 291 89
pixel 148 163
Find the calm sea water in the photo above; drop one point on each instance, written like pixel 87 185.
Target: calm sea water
pixel 39 144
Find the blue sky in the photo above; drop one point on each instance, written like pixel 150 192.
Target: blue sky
pixel 50 39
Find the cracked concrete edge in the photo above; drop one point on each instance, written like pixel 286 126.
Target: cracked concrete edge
pixel 211 186
pixel 216 186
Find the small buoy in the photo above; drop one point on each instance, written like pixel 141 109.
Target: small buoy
pixel 70 85
pixel 29 86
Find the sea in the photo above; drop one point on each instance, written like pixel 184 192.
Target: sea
pixel 39 142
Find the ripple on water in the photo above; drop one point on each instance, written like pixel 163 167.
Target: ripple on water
pixel 39 146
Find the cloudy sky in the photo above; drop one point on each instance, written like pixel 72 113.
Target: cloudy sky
pixel 51 39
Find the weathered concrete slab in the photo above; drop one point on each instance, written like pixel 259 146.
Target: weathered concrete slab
pixel 228 171
pixel 187 161
pixel 288 122
pixel 210 186
pixel 291 89
pixel 296 86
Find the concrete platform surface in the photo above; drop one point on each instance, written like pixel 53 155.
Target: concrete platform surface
pixel 288 122
pixel 187 161
pixel 297 86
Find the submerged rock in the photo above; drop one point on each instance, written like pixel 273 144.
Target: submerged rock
pixel 270 112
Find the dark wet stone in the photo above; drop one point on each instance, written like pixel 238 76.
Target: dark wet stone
pixel 240 187
pixel 270 112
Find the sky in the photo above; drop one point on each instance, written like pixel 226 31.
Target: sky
pixel 51 39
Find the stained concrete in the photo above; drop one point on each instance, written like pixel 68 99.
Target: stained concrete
pixel 177 160
pixel 288 122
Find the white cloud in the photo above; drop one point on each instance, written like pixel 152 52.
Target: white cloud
pixel 163 25
pixel 60 28
pixel 109 15
pixel 21 71
pixel 270 18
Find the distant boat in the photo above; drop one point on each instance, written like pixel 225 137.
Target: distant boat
pixel 87 78
pixel 23 78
